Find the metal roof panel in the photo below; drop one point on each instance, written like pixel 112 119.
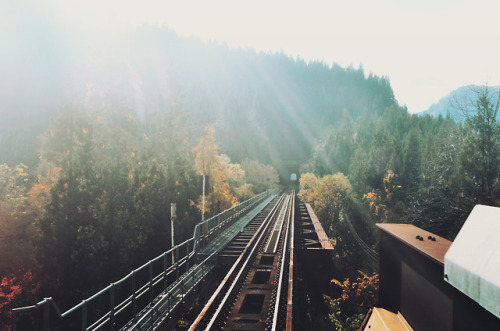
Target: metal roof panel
pixel 472 264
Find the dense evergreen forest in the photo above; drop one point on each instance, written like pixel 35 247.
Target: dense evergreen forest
pixel 399 168
pixel 115 131
pixel 268 107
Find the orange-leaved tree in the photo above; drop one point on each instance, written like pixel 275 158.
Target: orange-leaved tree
pixel 384 203
pixel 208 163
pixel 20 210
pixel 16 289
pixel 346 312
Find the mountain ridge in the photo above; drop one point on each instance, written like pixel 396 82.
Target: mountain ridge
pixel 448 103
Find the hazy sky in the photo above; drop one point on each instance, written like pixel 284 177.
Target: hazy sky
pixel 427 48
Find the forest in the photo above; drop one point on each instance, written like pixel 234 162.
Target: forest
pixel 399 168
pixel 91 162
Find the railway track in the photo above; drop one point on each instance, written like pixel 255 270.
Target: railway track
pixel 256 292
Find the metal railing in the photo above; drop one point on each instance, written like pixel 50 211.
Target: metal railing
pixel 167 273
pixel 205 231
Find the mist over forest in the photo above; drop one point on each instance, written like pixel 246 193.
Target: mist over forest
pixel 267 106
pixel 100 132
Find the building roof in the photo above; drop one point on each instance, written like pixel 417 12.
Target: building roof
pixel 431 245
pixel 383 319
pixel 472 264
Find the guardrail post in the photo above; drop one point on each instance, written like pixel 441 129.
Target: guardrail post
pixel 112 306
pixel 192 281
pixel 202 236
pixel 152 314
pixel 187 257
pixel 14 321
pixel 218 225
pixel 168 303
pixel 84 315
pixel 183 289
pixel 176 265
pixel 165 267
pixel 46 316
pixel 37 318
pixel 134 299
pixel 196 239
pixel 151 282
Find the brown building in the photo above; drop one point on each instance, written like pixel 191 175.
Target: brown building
pixel 415 293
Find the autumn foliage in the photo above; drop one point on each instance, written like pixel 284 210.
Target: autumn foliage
pixel 327 195
pixel 383 202
pixel 94 207
pixel 230 182
pixel 347 310
pixel 208 162
pixel 16 289
pixel 335 204
pixel 20 208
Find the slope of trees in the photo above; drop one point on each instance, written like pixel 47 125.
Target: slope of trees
pixel 268 107
pixel 101 171
pixel 395 167
pixel 421 170
pixel 158 110
pixel 98 203
pixel 479 154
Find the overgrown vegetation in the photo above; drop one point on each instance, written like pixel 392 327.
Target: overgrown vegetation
pixel 348 310
pixel 97 205
pixel 400 168
pixel 145 120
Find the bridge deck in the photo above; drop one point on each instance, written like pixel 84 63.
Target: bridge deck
pixel 224 238
pixel 163 305
pixel 155 314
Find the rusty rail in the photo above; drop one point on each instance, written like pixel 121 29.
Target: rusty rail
pixel 212 312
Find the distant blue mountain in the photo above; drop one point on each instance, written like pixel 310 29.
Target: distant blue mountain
pixel 448 104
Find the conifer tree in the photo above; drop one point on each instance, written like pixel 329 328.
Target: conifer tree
pixel 479 157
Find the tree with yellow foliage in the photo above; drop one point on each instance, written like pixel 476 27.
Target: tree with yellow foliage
pixel 208 162
pixel 19 211
pixel 347 311
pixel 384 203
pixel 327 194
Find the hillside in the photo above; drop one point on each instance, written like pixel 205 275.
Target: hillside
pixel 269 107
pixel 448 103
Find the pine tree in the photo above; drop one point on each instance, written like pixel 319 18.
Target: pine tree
pixel 479 158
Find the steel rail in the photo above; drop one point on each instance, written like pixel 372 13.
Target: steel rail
pixel 271 234
pixel 240 273
pixel 153 306
pixel 289 305
pixel 275 248
pixel 282 268
pixel 240 265
pixel 229 275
